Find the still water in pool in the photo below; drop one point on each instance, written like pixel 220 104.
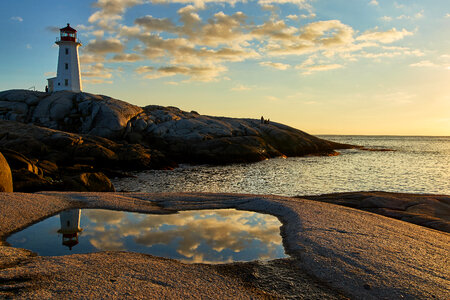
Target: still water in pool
pixel 202 236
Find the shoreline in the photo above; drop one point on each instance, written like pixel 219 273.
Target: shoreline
pixel 338 251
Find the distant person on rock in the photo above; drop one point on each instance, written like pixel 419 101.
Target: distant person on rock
pixel 46 88
pixel 262 120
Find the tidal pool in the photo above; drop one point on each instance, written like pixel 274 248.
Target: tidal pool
pixel 200 236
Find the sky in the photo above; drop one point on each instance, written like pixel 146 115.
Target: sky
pixel 371 67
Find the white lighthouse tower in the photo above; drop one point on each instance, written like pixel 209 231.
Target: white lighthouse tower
pixel 68 76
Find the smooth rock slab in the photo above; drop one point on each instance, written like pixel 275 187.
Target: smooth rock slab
pixel 360 254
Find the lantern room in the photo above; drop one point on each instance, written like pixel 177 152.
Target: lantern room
pixel 68 34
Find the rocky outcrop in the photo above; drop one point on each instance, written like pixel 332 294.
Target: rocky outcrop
pixel 88 182
pixel 48 159
pixel 6 184
pixel 68 111
pixel 432 211
pixel 184 136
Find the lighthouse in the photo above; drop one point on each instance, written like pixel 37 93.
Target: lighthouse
pixel 68 76
pixel 70 227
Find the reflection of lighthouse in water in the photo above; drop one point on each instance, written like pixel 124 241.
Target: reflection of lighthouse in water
pixel 70 227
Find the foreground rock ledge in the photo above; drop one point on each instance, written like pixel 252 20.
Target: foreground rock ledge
pixel 346 252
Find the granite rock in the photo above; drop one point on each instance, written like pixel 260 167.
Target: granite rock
pixel 6 184
pixel 48 159
pixel 181 135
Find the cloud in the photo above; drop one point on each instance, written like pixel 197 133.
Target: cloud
pixel 272 98
pixel 424 63
pixel 110 12
pixel 292 17
pixel 447 15
pixel 313 37
pixel 197 73
pixel 86 58
pixel 302 4
pixel 53 29
pixel 154 24
pixel 328 33
pixel 144 69
pixel 50 74
pixel 17 19
pixel 279 66
pixel 386 18
pixel 275 30
pixel 384 37
pixel 82 27
pixel 96 81
pixel 398 5
pixel 100 46
pixel 374 2
pixel 96 70
pixel 229 230
pixel 241 87
pixel 307 70
pixel 418 15
pixel 190 46
pixel 98 33
pixel 126 57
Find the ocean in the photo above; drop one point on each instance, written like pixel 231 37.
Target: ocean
pixel 417 165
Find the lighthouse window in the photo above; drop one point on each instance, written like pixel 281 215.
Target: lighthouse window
pixel 67 66
pixel 67 50
pixel 66 82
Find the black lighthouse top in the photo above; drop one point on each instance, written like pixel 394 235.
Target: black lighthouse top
pixel 68 34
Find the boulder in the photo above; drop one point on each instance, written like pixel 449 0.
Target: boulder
pixel 18 161
pixel 68 111
pixel 6 183
pixel 88 182
pixel 29 182
pixel 66 149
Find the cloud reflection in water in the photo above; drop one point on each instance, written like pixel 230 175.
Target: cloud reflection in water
pixel 192 236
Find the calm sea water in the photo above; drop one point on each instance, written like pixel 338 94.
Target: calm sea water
pixel 418 165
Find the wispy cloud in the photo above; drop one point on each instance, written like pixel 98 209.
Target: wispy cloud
pixel 384 37
pixel 278 66
pixel 53 29
pixel 17 19
pixel 240 88
pixel 96 81
pixel 272 98
pixel 424 63
pixel 307 70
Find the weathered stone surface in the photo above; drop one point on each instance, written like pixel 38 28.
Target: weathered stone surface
pixel 29 182
pixel 44 159
pixel 431 211
pixel 184 136
pixel 6 184
pixel 18 161
pixel 68 111
pixel 351 254
pixel 88 182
